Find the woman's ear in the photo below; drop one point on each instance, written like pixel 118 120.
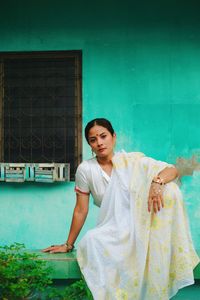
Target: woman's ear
pixel 114 137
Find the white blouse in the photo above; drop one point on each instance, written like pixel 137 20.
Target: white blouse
pixel 91 178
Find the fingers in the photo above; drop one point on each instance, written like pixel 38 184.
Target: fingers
pixel 58 250
pixel 155 203
pixel 150 203
pixel 162 201
pixel 159 203
pixel 55 249
pixel 46 249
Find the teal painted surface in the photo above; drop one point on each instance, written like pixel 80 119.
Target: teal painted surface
pixel 141 69
pixel 36 214
pixel 63 265
pixel 189 293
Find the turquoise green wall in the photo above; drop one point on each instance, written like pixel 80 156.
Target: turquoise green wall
pixel 141 69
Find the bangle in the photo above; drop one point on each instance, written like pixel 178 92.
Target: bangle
pixel 69 247
pixel 158 180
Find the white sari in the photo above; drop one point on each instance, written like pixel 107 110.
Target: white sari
pixel 133 254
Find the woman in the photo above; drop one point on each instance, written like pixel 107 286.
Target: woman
pixel 141 248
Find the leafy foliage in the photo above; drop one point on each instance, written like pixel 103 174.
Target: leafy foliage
pixel 75 291
pixel 23 276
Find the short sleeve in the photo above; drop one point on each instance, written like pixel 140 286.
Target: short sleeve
pixel 81 180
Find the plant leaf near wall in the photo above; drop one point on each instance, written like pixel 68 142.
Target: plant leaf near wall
pixel 24 277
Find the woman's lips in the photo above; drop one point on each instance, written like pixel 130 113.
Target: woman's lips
pixel 101 150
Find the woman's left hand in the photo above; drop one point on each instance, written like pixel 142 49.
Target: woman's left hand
pixel 155 200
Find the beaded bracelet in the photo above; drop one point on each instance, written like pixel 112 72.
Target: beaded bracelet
pixel 158 180
pixel 69 247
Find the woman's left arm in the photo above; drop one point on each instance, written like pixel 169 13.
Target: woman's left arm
pixel 168 174
pixel 155 199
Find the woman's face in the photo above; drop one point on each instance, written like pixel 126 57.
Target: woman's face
pixel 101 141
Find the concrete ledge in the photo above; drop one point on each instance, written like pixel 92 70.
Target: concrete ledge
pixel 197 272
pixel 65 266
pixel 197 269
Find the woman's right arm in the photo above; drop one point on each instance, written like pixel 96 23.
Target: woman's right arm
pixel 78 219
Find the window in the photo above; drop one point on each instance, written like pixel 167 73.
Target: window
pixel 40 108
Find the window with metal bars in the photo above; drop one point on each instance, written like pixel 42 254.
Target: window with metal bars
pixel 40 108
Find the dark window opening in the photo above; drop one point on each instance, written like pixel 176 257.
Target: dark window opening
pixel 40 107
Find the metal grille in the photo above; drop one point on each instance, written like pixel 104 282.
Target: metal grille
pixel 41 109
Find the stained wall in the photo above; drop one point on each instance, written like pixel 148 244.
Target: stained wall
pixel 141 69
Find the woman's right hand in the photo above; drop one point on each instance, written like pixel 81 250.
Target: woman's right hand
pixel 56 249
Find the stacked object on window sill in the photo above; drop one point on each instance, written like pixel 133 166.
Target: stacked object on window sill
pixel 38 172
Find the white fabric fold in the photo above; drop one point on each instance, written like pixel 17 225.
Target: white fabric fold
pixel 133 254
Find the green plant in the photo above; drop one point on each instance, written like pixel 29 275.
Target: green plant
pixel 75 291
pixel 22 276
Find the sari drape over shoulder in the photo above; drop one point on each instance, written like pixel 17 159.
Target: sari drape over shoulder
pixel 133 254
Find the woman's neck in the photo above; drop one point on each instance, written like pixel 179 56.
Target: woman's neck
pixel 105 160
pixel 106 164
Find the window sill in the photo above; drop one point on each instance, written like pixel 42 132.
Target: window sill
pixel 37 172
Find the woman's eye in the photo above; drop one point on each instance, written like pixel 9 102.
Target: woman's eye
pixel 92 141
pixel 103 136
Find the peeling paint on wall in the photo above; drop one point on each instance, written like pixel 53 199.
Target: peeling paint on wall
pixel 186 166
pixel 141 70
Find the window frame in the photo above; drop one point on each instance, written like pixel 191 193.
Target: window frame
pixel 77 55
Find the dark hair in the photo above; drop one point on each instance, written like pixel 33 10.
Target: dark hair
pixel 101 122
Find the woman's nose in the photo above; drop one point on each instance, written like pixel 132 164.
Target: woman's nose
pixel 99 142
